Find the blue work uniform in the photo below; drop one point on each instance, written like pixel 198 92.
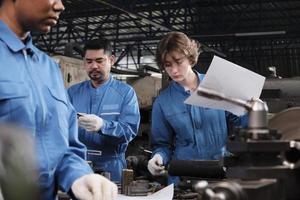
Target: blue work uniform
pixel 116 103
pixel 32 95
pixel 185 132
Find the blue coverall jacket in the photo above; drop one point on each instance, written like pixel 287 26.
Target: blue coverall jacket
pixel 116 103
pixel 185 132
pixel 32 95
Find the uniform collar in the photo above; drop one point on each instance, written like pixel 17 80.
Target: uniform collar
pixel 13 41
pixel 180 88
pixel 104 85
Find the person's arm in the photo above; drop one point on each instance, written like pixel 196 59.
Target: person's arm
pixel 69 94
pixel 161 133
pixel 237 121
pixel 126 127
pixel 75 175
pixel 73 164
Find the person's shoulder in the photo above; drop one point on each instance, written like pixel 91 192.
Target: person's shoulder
pixel 119 85
pixel 2 43
pixel 45 57
pixel 76 86
pixel 163 94
pixel 166 90
pixel 3 49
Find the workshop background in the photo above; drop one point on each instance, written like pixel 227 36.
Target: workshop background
pixel 260 35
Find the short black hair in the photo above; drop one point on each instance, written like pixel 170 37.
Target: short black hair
pixel 97 44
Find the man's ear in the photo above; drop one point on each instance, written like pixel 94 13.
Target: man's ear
pixel 112 59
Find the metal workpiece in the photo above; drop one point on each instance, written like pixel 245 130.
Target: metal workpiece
pixel 291 157
pixel 127 179
pixel 138 188
pixel 131 187
pixel 258 114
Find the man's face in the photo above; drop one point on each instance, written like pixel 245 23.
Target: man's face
pixel 37 15
pixel 97 65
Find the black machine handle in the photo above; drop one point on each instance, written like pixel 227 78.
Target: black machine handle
pixel 197 168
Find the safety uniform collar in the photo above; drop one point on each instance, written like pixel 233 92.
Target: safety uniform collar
pixel 13 41
pixel 180 88
pixel 104 85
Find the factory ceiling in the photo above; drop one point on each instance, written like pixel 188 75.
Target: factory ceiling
pixel 253 33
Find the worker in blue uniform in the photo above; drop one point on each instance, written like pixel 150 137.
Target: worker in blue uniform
pixel 109 112
pixel 180 131
pixel 32 96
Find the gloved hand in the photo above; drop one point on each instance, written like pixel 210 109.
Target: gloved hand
pixel 94 187
pixel 90 122
pixel 155 165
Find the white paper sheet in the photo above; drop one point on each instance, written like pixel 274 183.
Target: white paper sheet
pixel 163 194
pixel 233 81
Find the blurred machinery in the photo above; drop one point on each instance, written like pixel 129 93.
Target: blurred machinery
pixel 287 124
pixel 281 93
pixel 147 88
pixel 72 70
pixel 264 165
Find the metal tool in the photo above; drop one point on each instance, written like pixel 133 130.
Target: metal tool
pixel 127 179
pixel 257 109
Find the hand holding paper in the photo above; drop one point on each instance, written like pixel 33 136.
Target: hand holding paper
pixel 231 80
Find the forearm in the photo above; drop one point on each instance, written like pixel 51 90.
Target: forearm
pixel 71 168
pixel 121 131
pixel 164 152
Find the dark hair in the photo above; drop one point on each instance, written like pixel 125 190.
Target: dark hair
pixel 98 44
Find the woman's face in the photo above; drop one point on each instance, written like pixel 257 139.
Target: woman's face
pixel 177 66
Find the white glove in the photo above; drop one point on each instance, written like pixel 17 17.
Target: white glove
pixel 155 165
pixel 94 187
pixel 90 122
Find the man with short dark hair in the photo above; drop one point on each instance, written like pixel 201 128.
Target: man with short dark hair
pixel 109 110
pixel 32 95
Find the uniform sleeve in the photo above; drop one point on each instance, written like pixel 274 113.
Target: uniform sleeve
pixel 161 133
pixel 70 94
pixel 126 128
pixel 234 120
pixel 73 164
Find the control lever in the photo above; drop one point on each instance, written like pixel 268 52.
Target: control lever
pixel 257 108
